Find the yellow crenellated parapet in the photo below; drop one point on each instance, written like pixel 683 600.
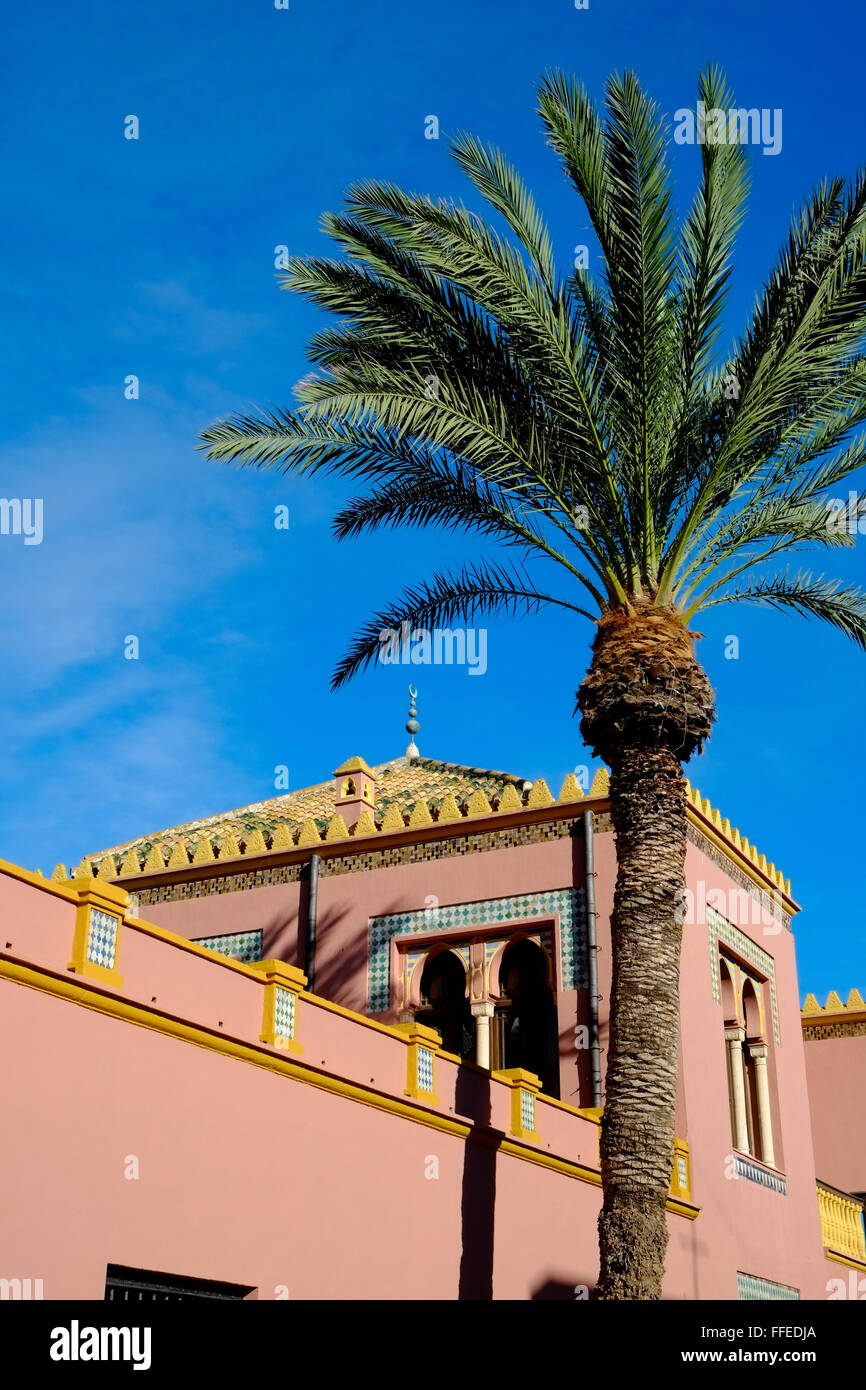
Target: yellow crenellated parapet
pixel 841 1223
pixel 337 829
pixel 600 783
pixel 107 868
pixel 420 814
pixel 812 1009
pixel 510 799
pixel 309 834
pixel 203 852
pixel 255 843
pixel 392 819
pixel 725 831
pixel 154 863
pixel 449 810
pixel 131 864
pixel 282 837
pixel 365 825
pixel 571 789
pixel 179 858
pixel 59 875
pixel 479 805
pixel 539 795
pixel 83 870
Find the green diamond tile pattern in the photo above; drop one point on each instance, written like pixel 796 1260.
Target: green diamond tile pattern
pixel 284 1014
pixel 240 945
pixel 567 902
pixel 424 1066
pixel 753 1289
pixel 527 1111
pixel 720 929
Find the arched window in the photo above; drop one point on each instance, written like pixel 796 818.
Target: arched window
pixel 734 1035
pixel 747 1055
pixel 526 1033
pixel 444 1005
pixel 755 1056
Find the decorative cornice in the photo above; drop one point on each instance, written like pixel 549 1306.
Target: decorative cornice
pixel 424 820
pixel 834 1019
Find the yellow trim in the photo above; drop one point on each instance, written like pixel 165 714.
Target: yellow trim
pixel 522 1082
pixel 96 895
pixel 742 862
pixel 47 885
pixel 183 942
pixel 823 1020
pixel 681 1150
pixel 844 1260
pixel 418 1036
pixel 89 997
pixel 392 1029
pixel 279 975
pixel 439 830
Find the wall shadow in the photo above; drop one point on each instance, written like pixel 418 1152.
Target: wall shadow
pixel 478 1188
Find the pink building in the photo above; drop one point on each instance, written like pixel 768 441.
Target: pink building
pixel 350 1042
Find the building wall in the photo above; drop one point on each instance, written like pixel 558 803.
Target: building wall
pixel 836 1073
pixel 315 1172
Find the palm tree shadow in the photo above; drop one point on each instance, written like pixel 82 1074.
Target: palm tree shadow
pixel 478 1189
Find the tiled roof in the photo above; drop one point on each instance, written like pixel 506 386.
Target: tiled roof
pixel 401 783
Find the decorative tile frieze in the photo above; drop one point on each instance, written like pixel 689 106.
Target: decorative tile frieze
pixel 527 1110
pixel 463 917
pixel 424 1064
pixel 744 1168
pixel 815 1032
pixel 241 945
pixel 751 1288
pixel 333 865
pixel 720 929
pixel 102 938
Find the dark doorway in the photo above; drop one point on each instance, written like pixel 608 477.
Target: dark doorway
pixel 444 1005
pixel 528 1015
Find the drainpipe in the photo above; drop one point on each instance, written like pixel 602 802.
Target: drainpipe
pixel 591 961
pixel 312 899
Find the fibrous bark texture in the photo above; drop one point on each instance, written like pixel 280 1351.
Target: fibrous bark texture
pixel 647 705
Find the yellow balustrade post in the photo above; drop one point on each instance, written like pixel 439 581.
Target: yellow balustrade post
pixel 423 1045
pixel 99 917
pixel 283 984
pixel 525 1086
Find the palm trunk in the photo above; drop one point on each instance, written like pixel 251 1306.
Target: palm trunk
pixel 647 705
pixel 638 1125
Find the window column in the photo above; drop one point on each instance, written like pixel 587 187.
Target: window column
pixel 758 1054
pixel 734 1038
pixel 482 1012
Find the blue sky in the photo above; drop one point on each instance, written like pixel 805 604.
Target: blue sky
pixel 155 257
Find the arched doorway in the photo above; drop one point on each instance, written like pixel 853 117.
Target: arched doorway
pixel 526 1018
pixel 444 1005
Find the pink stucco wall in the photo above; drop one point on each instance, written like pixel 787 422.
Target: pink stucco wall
pixel 836 1072
pixel 251 1176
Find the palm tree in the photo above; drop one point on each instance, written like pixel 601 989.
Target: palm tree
pixel 590 423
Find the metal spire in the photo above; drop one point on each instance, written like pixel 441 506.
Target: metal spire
pixel 412 725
